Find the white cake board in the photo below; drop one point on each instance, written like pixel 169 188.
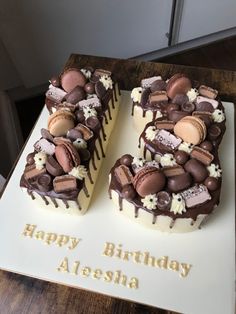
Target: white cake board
pixel 209 286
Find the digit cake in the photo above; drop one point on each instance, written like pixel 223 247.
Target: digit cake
pixel 176 184
pixel 62 170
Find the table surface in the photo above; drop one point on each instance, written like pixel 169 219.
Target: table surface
pixel 21 294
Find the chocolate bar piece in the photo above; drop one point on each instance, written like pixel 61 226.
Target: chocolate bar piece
pixel 207 91
pixel 93 102
pixel 102 72
pixel 123 175
pixel 45 146
pixel 173 171
pixel 64 183
pixel 202 155
pixel 86 132
pixel 167 139
pixel 198 194
pixel 66 106
pixel 32 172
pixel 165 124
pixel 158 97
pixel 55 94
pixel 147 82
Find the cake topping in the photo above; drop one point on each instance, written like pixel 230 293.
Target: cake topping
pixel 180 99
pixel 67 156
pixel 72 78
pixel 92 102
pixel 64 183
pixel 55 94
pixel 123 175
pixel 214 132
pixel 85 131
pixel 60 122
pixel 40 160
pixel 204 106
pixel 44 182
pixel 181 157
pixel 126 160
pixel 179 182
pixel 214 170
pixel 213 102
pixel 158 85
pixel 178 84
pixel 87 73
pixel 128 192
pixel 151 133
pixel 167 160
pixel 207 145
pixel 80 143
pixel 138 162
pixel 106 81
pixel 89 88
pixel 32 172
pixel 147 82
pixel 79 172
pixel 76 95
pixel 55 81
pixel 163 200
pixel 188 107
pixel 150 201
pixel 177 204
pixel 192 94
pixel 197 170
pixel 202 155
pixel 136 94
pixel 158 97
pixel 164 124
pixel 30 158
pixel 196 195
pixel 89 112
pixel 167 139
pixel 211 183
pixel 173 171
pixel 53 167
pixel 208 92
pixel 218 115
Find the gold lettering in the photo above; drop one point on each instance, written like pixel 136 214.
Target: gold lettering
pixel 123 280
pixel 174 265
pixel 162 262
pixel 137 257
pixel 117 276
pixel 119 251
pixel 85 272
pixel 29 230
pixel 75 268
pixel 63 267
pixel 62 240
pixel 109 249
pixel 185 269
pixel 148 260
pixel 39 235
pixel 50 238
pixel 126 255
pixel 74 243
pixel 133 284
pixel 108 276
pixel 97 274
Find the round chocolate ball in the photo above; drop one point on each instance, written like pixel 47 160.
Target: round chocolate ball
pixel 163 200
pixel 207 145
pixel 73 134
pixel 30 159
pixel 89 88
pixel 44 182
pixel 126 160
pixel 80 116
pixel 197 170
pixel 214 132
pixel 84 154
pixel 93 123
pixel 188 107
pixel 128 192
pixel 172 107
pixel 181 157
pixel 55 81
pixel 180 99
pixel 211 183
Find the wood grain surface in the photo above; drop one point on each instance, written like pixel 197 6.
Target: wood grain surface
pixel 21 294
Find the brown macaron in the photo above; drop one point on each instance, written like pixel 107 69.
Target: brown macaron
pixel 149 180
pixel 191 130
pixel 178 84
pixel 60 122
pixel 71 78
pixel 67 156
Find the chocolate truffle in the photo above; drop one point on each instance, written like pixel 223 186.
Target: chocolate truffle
pixel 214 132
pixel 179 183
pixel 181 157
pixel 84 154
pixel 163 200
pixel 126 160
pixel 180 99
pixel 128 192
pixel 207 145
pixel 80 116
pixel 188 107
pixel 197 170
pixel 93 123
pixel 55 81
pixel 211 183
pixel 73 134
pixel 89 88
pixel 44 182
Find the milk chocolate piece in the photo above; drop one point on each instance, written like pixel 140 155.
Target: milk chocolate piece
pixel 84 154
pixel 172 107
pixel 196 195
pixel 181 157
pixel 93 123
pixel 55 94
pixel 32 172
pixel 208 92
pixel 128 192
pixel 158 97
pixel 100 89
pixel 198 171
pixel 211 183
pixel 53 166
pixel 178 183
pixel 86 132
pixel 202 155
pixel 163 200
pixel 173 171
pixel 66 106
pixel 61 140
pixel 73 134
pixel 180 99
pixel 30 158
pixel 167 139
pixel 93 102
pixel 64 183
pixel 123 175
pixel 126 160
pixel 45 146
pixel 164 124
pixel 207 145
pixel 44 182
pixel 80 116
pixel 89 88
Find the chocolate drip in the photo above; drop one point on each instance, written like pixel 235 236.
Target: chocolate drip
pixel 112 101
pixel 54 201
pixel 144 113
pixel 103 134
pixel 154 219
pixel 96 152
pixel 154 114
pixel 90 176
pixel 105 117
pixel 44 199
pixel 93 162
pixel 109 111
pixel 66 203
pixel 136 212
pixel 85 190
pixel 132 112
pixel 31 194
pixel 100 142
pixel 172 223
pixel 109 192
pixel 120 203
pixel 114 95
pixel 118 89
pixel 192 222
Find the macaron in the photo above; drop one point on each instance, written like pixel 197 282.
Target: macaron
pixel 60 122
pixel 149 180
pixel 71 78
pixel 67 156
pixel 191 130
pixel 178 84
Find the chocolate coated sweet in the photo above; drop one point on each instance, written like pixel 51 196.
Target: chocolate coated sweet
pixel 72 78
pixel 100 89
pixel 172 107
pixel 128 192
pixel 89 88
pixel 197 170
pixel 80 116
pixel 181 157
pixel 149 180
pixel 93 123
pixel 188 107
pixel 46 134
pixel 204 106
pixel 163 200
pixel 177 115
pixel 74 96
pixel 123 175
pixel 214 132
pixel 180 99
pixel 73 134
pixel 211 183
pixel 145 96
pixel 179 183
pixel 44 182
pixel 207 145
pixel 126 160
pixel 178 84
pixel 30 158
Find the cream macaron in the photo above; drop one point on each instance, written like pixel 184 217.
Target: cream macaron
pixel 60 122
